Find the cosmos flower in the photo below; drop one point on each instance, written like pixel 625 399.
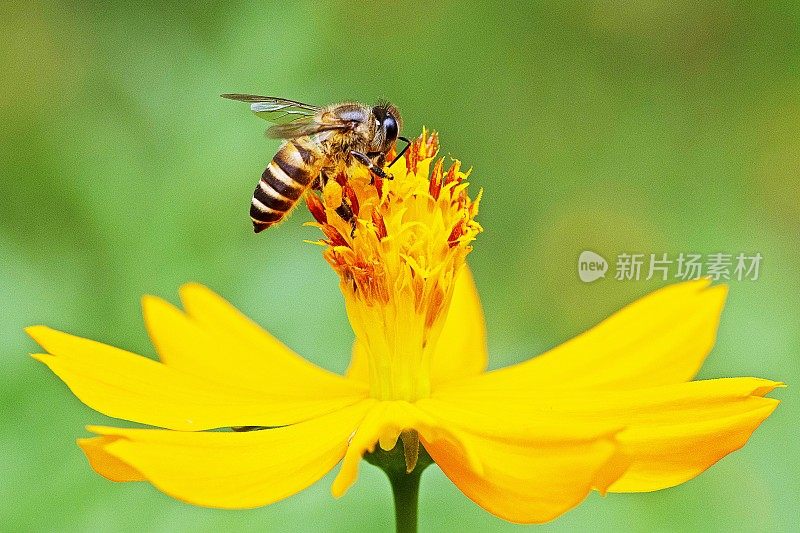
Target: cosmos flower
pixel 614 409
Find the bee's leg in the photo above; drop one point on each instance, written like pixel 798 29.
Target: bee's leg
pixel 345 212
pixel 372 167
pixel 320 181
pixel 381 158
pixel 378 163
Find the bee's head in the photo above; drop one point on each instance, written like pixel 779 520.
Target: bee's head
pixel 388 124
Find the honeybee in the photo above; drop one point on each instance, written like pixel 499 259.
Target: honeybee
pixel 318 142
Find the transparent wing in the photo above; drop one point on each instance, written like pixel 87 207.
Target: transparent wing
pixel 299 128
pixel 276 110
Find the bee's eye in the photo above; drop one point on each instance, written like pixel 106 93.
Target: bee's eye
pixel 390 128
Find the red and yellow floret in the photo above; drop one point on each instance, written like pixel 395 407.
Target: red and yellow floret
pixel 398 258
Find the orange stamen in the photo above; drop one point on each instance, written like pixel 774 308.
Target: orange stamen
pixel 334 237
pixel 316 208
pixel 380 225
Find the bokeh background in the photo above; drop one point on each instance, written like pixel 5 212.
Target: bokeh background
pixel 658 126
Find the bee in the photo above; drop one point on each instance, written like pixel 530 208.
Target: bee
pixel 319 141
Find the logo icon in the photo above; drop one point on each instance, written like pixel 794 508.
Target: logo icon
pixel 591 266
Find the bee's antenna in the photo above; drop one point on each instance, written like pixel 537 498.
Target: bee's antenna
pixel 403 151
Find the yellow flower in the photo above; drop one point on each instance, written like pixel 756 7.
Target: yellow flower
pixel 613 409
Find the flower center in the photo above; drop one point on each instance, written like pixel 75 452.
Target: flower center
pixel 397 245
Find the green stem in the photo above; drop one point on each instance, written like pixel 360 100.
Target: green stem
pixel 405 488
pixel 405 485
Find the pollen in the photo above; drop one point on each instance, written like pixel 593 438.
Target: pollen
pixel 397 254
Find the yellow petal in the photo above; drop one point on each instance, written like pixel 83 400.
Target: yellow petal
pixel 673 443
pixel 383 424
pixel 532 473
pixel 235 470
pixel 664 456
pixel 128 386
pixel 670 433
pixel 359 364
pixel 660 339
pixel 106 464
pixel 461 349
pixel 216 342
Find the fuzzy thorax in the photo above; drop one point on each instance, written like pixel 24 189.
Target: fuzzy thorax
pixel 397 258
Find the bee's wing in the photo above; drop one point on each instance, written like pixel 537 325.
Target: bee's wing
pixel 275 110
pixel 291 119
pixel 299 128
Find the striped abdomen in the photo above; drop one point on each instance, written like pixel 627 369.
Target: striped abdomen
pixel 284 181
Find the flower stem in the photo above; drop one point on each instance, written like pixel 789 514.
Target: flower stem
pixel 405 488
pixel 405 485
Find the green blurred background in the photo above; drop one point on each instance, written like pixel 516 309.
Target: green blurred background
pixel 658 126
